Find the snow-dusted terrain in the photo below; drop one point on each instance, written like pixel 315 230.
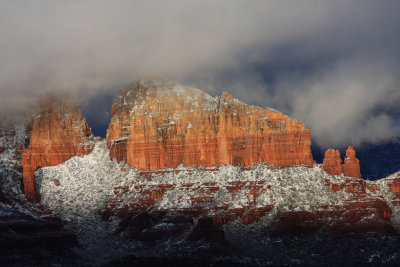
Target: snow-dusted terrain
pixel 10 174
pixel 79 188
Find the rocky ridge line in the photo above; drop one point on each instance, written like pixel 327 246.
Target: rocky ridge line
pixel 157 124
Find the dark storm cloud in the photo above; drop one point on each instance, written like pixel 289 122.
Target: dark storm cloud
pixel 332 64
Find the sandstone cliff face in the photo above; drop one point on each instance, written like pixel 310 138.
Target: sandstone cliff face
pixel 351 166
pixel 59 132
pixel 157 124
pixel 333 163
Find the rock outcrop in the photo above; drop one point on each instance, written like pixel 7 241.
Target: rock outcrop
pixel 245 202
pixel 333 163
pixel 338 204
pixel 351 166
pixel 354 216
pixel 157 124
pixel 59 132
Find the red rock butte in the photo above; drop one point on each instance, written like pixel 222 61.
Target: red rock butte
pixel 59 132
pixel 157 124
pixel 333 163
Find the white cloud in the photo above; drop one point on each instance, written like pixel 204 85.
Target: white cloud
pixel 94 47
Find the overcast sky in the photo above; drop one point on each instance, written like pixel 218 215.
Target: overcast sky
pixel 334 65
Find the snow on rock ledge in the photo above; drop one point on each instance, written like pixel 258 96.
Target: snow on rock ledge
pixel 80 188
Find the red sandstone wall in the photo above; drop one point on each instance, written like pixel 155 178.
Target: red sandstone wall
pixel 332 162
pixel 159 125
pixel 59 132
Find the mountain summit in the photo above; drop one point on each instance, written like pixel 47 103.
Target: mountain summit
pixel 158 124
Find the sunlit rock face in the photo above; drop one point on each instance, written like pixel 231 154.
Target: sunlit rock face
pixel 351 166
pixel 59 132
pixel 333 163
pixel 157 124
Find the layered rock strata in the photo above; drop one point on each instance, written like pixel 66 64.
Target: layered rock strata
pixel 333 163
pixel 289 201
pixel 156 124
pixel 59 132
pixel 351 166
pixel 338 204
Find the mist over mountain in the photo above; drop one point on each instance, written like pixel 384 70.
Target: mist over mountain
pixel 182 175
pixel 332 64
pixel 199 133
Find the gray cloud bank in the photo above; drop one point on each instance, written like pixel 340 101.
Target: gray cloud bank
pixel 331 64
